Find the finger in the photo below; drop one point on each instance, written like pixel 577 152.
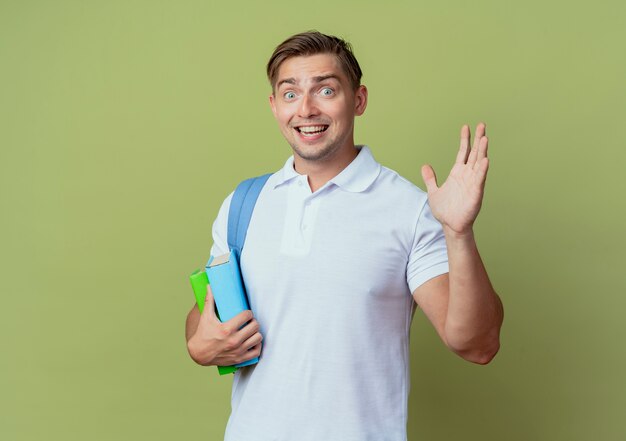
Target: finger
pixel 461 157
pixel 253 352
pixel 251 342
pixel 481 130
pixel 209 305
pixel 481 172
pixel 248 330
pixel 473 156
pixel 239 320
pixel 482 151
pixel 471 159
pixel 429 177
pixel 256 350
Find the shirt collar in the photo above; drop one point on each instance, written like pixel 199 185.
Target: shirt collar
pixel 355 178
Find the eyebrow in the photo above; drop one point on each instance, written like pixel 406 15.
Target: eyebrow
pixel 317 79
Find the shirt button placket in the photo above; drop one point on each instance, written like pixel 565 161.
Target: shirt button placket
pixel 306 214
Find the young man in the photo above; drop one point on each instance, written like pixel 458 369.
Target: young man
pixel 338 252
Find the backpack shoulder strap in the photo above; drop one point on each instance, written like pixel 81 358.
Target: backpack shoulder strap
pixel 241 208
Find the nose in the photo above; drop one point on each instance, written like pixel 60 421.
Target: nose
pixel 308 107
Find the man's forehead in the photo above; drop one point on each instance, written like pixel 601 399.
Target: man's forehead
pixel 310 68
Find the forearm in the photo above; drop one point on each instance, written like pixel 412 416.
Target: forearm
pixel 193 318
pixel 475 312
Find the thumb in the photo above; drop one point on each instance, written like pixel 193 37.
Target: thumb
pixel 209 304
pixel 429 177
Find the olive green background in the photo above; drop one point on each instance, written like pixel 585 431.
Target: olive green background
pixel 124 124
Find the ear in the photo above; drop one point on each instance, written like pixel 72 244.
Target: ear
pixel 273 104
pixel 360 100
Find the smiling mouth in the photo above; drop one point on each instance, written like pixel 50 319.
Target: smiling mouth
pixel 312 130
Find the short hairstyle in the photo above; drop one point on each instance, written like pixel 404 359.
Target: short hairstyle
pixel 313 43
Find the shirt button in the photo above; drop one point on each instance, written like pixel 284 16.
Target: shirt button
pixel 304 227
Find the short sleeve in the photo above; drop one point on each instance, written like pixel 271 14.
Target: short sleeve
pixel 429 256
pixel 220 229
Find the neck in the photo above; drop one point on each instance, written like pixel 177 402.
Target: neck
pixel 321 171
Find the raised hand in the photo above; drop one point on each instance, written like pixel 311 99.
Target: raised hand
pixel 457 202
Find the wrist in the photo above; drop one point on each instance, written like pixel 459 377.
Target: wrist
pixel 458 236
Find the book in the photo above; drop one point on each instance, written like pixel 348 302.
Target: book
pixel 228 289
pixel 199 282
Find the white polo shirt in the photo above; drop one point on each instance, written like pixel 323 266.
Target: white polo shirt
pixel 329 278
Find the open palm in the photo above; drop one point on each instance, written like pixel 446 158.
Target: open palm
pixel 457 202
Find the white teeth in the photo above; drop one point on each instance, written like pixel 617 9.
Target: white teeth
pixel 311 129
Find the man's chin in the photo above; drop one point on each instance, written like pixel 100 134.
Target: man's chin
pixel 313 153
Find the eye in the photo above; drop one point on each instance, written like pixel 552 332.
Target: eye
pixel 289 95
pixel 327 91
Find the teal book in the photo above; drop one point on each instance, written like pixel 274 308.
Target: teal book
pixel 228 289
